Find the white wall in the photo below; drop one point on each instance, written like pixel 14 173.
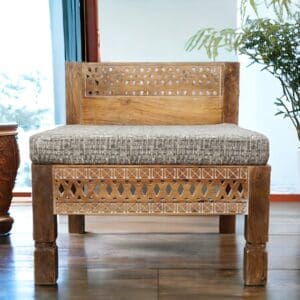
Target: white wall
pixel 58 60
pixel 258 93
pixel 156 30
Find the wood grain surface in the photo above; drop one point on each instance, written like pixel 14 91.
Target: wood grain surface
pixel 45 226
pixel 152 258
pixel 257 226
pixel 152 93
pixel 144 110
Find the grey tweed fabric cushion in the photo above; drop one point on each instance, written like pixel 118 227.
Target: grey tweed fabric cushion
pixel 113 144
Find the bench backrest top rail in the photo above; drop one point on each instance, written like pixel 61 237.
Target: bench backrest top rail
pixel 152 93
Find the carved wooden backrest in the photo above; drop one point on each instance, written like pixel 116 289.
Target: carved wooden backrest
pixel 152 93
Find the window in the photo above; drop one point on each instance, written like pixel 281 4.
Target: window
pixel 26 84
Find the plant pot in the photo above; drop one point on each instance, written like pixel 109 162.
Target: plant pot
pixel 9 163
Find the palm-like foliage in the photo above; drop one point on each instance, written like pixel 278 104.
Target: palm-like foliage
pixel 272 42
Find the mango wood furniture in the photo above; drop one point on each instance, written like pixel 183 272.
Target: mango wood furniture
pixel 9 163
pixel 150 139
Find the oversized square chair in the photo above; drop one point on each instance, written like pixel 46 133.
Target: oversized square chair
pixel 151 139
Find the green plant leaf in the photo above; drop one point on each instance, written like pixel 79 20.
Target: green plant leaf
pixel 203 41
pixel 271 42
pixel 197 38
pixel 254 6
pixel 215 46
pixel 279 113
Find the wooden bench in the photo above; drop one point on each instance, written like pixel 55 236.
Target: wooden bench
pixel 150 140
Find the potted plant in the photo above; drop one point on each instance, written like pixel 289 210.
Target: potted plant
pixel 272 42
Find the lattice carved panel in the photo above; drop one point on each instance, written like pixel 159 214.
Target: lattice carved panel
pixel 169 190
pixel 205 208
pixel 153 79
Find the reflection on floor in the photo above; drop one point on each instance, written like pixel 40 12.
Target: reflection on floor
pixel 152 258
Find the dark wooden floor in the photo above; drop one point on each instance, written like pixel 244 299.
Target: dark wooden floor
pixel 152 258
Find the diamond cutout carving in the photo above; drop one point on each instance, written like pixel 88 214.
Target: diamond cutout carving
pixel 61 188
pixel 73 188
pixel 168 189
pixel 109 189
pixel 228 189
pixel 121 189
pixel 216 189
pixel 204 189
pixel 156 189
pixel 192 189
pixel 132 189
pixel 240 188
pixel 180 189
pixel 97 189
pixel 144 189
pixel 85 189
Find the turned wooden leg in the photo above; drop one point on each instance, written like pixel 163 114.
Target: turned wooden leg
pixel 44 226
pixel 257 226
pixel 76 224
pixel 227 224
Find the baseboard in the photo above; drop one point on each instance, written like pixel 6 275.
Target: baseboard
pixel 285 197
pixel 21 194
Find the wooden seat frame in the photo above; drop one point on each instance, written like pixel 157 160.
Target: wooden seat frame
pixel 151 94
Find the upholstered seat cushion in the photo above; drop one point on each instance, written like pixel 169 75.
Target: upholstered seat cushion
pixel 112 144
